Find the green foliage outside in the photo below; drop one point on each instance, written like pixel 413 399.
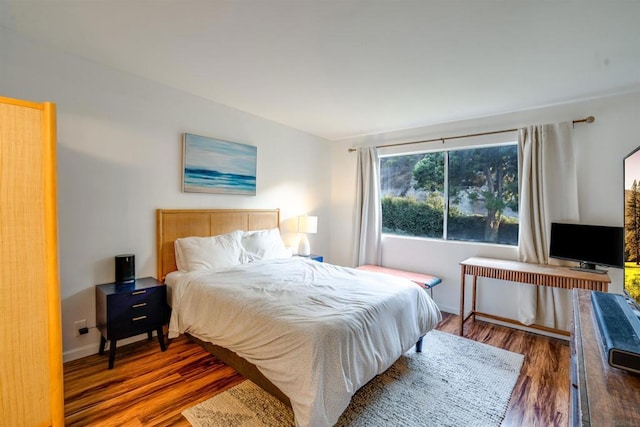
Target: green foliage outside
pixel 409 217
pixel 406 216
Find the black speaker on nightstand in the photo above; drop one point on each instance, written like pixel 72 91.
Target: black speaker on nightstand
pixel 125 268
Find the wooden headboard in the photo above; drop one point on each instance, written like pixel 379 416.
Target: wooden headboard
pixel 175 223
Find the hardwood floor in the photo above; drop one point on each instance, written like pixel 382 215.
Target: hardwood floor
pixel 150 388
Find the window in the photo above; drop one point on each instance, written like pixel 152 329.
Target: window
pixel 463 194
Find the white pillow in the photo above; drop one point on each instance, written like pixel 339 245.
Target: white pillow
pixel 264 244
pixel 198 253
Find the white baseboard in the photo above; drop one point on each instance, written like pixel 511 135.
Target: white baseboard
pixel 94 348
pixel 448 309
pixel 79 353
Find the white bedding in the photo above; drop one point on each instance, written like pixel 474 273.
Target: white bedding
pixel 317 331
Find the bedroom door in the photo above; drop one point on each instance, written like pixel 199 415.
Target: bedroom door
pixel 31 378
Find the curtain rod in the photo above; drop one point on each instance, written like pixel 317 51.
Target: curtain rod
pixel 589 119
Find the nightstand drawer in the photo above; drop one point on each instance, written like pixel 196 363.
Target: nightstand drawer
pixel 132 325
pixel 136 296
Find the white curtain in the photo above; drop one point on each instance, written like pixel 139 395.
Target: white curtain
pixel 548 193
pixel 368 213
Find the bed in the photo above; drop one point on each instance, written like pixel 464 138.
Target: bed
pixel 310 333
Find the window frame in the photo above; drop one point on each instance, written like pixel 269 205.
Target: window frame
pixel 510 141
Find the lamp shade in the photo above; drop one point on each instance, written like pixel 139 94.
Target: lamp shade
pixel 307 224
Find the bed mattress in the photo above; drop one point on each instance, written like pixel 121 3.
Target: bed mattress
pixel 317 331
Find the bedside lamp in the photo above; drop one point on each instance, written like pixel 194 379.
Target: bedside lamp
pixel 306 225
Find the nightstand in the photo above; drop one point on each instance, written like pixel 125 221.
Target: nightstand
pixel 127 309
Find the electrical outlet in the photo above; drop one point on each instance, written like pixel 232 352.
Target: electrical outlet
pixel 79 324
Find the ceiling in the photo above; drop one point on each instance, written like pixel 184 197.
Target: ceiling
pixel 344 68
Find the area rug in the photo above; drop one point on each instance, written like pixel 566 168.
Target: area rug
pixel 453 382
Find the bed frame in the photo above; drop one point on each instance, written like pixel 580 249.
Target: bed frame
pixel 175 223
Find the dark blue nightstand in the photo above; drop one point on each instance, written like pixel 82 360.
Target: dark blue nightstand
pixel 128 309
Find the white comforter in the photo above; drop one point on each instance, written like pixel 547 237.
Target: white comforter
pixel 317 331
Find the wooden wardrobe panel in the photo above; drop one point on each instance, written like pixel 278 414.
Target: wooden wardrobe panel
pixel 31 362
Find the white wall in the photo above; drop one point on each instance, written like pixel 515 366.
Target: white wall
pixel 119 154
pixel 120 158
pixel 601 147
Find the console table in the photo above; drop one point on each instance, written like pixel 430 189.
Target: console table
pixel 524 272
pixel 600 394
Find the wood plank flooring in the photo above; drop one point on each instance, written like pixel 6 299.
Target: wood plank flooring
pixel 151 388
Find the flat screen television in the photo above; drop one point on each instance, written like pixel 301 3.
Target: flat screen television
pixel 589 245
pixel 631 168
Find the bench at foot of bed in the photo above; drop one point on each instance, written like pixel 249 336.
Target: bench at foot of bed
pixel 427 281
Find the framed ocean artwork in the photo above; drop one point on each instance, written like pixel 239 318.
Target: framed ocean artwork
pixel 216 166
